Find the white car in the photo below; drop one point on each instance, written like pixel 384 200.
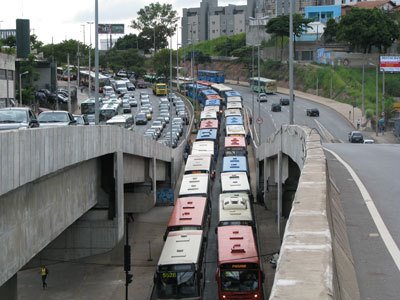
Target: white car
pixel 369 141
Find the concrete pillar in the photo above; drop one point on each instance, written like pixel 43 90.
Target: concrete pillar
pixel 279 198
pixel 155 179
pixel 119 193
pixel 9 289
pixel 266 175
pixel 172 173
pixel 257 178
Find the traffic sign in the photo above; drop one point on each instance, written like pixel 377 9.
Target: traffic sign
pixel 259 120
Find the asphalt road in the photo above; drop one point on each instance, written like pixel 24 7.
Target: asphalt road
pixel 377 166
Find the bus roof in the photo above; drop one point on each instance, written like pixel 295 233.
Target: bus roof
pixel 234 120
pixel 212 96
pixel 119 119
pixel 209 92
pixel 211 71
pixel 235 141
pixel 203 148
pixel 209 124
pixel 262 79
pixel 207 134
pixel 204 82
pixel 232 93
pixel 212 102
pixel 236 244
pixel 234 105
pixel 208 109
pixel 92 74
pixel 198 163
pixel 235 130
pixel 181 247
pixel 232 182
pixel 188 212
pixel 208 115
pixel 232 112
pixel 233 99
pixel 194 184
pixel 221 87
pixel 234 164
pixel 234 207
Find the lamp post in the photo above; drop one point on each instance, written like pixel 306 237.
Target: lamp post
pixel 291 108
pixel 90 47
pixel 20 86
pixel 376 96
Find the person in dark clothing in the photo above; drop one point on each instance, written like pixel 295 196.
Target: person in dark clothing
pixel 248 138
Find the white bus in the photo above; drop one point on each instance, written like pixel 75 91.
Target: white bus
pixel 194 185
pixel 235 130
pixel 266 85
pixel 235 182
pixel 235 209
pixel 232 112
pixel 124 121
pixel 234 99
pixel 221 89
pixel 211 109
pixel 234 105
pixel 203 148
pixel 180 269
pixel 197 164
pixel 208 115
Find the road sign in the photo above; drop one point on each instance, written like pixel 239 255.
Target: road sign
pixel 259 120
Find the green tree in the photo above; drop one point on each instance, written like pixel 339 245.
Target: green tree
pixel 330 31
pixel 364 28
pixel 59 52
pixel 161 63
pixel 35 43
pixel 129 59
pixel 128 41
pixel 156 23
pixel 279 27
pixel 10 41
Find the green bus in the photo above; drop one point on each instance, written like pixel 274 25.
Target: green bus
pixel 266 85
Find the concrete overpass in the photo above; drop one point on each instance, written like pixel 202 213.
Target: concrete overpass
pixel 87 176
pixel 52 177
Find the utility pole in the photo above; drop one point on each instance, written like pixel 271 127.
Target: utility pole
pixel 96 64
pixel 69 84
pixel 291 108
pixel 90 48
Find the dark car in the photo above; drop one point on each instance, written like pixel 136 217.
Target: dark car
pixel 141 119
pixel 356 137
pixel 130 86
pixel 284 101
pixel 312 112
pixel 276 107
pixel 17 118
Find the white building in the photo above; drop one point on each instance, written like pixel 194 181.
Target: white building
pixel 7 79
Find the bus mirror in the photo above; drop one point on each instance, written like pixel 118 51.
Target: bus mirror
pixel 262 276
pixel 216 228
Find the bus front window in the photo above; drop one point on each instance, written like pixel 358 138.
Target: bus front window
pixel 239 281
pixel 177 285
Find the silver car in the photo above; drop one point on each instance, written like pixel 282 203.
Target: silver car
pixel 17 118
pixel 55 118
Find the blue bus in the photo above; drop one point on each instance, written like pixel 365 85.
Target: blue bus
pixel 212 102
pixel 235 164
pixel 232 93
pixel 212 76
pixel 193 90
pixel 234 120
pixel 204 94
pixel 208 135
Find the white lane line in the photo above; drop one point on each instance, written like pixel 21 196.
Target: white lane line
pixel 383 231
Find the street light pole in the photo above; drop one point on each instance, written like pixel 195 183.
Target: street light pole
pixel 376 96
pixel 20 86
pixel 90 47
pixel 291 108
pixel 96 65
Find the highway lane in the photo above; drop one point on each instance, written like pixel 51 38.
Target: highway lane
pixel 330 123
pixel 372 224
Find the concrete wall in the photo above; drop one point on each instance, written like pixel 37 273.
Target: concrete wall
pixel 313 262
pixel 36 213
pixel 27 155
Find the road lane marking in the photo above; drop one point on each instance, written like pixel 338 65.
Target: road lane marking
pixel 380 225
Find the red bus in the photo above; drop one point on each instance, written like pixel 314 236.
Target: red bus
pixel 209 124
pixel 238 273
pixel 190 213
pixel 235 146
pixel 206 83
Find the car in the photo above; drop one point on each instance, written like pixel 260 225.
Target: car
pixel 276 107
pixel 133 102
pixel 141 119
pixel 108 90
pixel 157 124
pixel 262 97
pixel 177 128
pixel 81 119
pixel 141 84
pixel 312 112
pixel 144 95
pixel 147 112
pixel 156 131
pixel 356 137
pixel 17 118
pixel 369 141
pixel 126 106
pixel 56 118
pixel 284 101
pixel 162 121
pixel 165 115
pixel 145 101
pixel 178 121
pixel 130 86
pixel 148 105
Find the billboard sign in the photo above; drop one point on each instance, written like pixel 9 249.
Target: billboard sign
pixel 111 28
pixel 389 63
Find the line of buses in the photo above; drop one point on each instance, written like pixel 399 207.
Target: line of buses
pixel 180 272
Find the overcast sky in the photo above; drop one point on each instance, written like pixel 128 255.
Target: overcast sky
pixel 62 20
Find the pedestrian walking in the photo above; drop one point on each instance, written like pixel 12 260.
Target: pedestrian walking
pixel 358 123
pixel 185 156
pixel 248 137
pixel 44 272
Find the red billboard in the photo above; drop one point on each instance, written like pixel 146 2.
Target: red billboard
pixel 389 63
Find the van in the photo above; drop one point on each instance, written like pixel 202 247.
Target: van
pixel 124 121
pixel 120 87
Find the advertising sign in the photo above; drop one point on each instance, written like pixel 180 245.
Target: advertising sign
pixel 111 28
pixel 389 63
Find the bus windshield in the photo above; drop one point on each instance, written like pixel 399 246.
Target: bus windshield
pixel 239 280
pixel 87 107
pixel 177 283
